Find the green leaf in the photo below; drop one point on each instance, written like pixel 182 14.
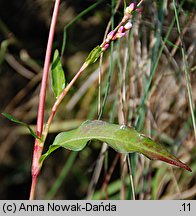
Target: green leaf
pixel 13 119
pixel 58 77
pixel 120 137
pixel 94 55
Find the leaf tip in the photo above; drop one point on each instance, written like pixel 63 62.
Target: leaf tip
pixel 171 160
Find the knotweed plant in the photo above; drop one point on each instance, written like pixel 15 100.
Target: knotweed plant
pixel 121 138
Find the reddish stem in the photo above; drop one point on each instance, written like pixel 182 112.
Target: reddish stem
pixel 33 185
pixel 61 96
pixel 39 145
pixel 46 70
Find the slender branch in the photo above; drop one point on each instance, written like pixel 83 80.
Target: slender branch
pixel 60 98
pixel 38 147
pixel 140 3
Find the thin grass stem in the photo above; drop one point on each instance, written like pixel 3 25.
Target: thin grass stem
pixel 131 176
pixel 188 82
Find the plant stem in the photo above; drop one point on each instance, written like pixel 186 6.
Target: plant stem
pixel 61 96
pixel 39 144
pixel 38 147
pixel 33 186
pixel 46 70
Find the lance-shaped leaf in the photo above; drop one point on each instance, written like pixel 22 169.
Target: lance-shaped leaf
pixel 58 77
pixel 120 137
pixel 94 55
pixel 13 119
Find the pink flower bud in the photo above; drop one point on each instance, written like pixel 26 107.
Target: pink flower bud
pixel 130 8
pixel 105 47
pixel 109 36
pixel 128 26
pixel 121 29
pixel 120 34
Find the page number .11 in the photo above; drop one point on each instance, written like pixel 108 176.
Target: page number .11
pixel 186 207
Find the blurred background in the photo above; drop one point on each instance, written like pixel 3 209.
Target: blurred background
pixel 143 83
